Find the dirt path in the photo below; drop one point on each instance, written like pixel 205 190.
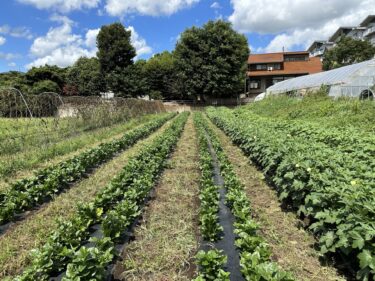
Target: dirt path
pixel 165 241
pixel 291 246
pixel 30 233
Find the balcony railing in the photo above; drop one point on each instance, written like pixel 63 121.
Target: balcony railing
pixel 317 53
pixel 369 31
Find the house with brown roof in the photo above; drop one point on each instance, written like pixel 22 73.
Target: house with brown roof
pixel 265 70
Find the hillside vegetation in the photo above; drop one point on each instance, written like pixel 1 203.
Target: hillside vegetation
pixel 319 108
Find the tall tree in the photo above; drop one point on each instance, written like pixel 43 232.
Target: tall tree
pixel 129 82
pixel 114 48
pixel 161 74
pixel 212 60
pixel 348 51
pixel 84 78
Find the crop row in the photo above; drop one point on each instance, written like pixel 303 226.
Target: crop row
pixel 334 191
pixel 255 253
pixel 349 140
pixel 27 193
pixel 211 263
pixel 112 211
pixel 208 192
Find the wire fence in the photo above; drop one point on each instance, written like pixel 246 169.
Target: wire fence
pixel 31 123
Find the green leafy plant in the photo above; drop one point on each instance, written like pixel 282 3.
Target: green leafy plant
pixel 211 265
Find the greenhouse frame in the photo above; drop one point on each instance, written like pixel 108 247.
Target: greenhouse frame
pixel 356 80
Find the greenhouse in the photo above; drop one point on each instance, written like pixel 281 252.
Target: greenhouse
pixel 356 80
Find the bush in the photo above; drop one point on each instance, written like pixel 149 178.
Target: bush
pixel 45 86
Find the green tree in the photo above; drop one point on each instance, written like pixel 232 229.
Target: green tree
pixel 129 82
pixel 47 72
pixel 45 86
pixel 348 51
pixel 114 48
pixel 84 78
pixel 161 74
pixel 14 79
pixel 212 60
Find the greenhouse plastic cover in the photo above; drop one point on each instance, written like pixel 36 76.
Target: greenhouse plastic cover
pixel 360 74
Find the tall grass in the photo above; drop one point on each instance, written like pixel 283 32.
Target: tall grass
pixel 318 107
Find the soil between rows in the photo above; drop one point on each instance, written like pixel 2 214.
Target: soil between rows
pixel 166 240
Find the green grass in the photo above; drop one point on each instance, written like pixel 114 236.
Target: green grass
pixel 23 236
pixel 36 157
pixel 319 108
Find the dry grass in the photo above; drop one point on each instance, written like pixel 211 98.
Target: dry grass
pixel 23 236
pixel 291 246
pixel 166 240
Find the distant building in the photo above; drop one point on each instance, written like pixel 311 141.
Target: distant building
pixel 369 33
pixel 318 48
pixel 365 31
pixel 265 70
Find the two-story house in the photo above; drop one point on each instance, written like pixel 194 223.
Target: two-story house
pixel 264 70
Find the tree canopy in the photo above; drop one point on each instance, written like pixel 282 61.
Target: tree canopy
pixel 45 86
pixel 129 82
pixel 114 48
pixel 207 61
pixel 47 72
pixel 348 51
pixel 84 78
pixel 161 75
pixel 212 60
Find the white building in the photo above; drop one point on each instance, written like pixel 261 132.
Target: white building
pixel 369 25
pixel 365 31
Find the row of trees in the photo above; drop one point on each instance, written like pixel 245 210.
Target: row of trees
pixel 210 61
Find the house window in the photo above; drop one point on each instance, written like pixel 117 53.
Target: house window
pixel 254 84
pixel 261 67
pixel 296 58
pixel 276 66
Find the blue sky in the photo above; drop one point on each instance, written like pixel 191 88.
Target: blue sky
pixel 35 32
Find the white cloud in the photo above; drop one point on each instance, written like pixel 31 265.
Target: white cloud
pixel 12 64
pixel 297 23
pixel 147 7
pixel 19 32
pixel 139 43
pixel 60 46
pixel 62 5
pixel 9 56
pixel 2 40
pixel 90 40
pixel 215 5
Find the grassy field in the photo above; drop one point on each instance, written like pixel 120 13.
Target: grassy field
pixel 319 108
pixel 34 155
